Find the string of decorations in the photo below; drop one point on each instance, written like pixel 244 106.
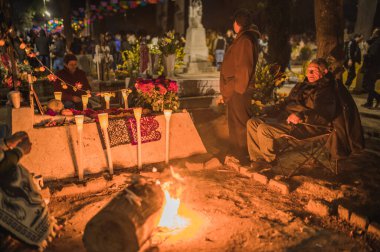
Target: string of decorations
pixel 107 8
pixel 52 77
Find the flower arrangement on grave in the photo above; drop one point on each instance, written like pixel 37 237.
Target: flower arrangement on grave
pixel 157 94
pixel 170 44
pixel 131 61
pixel 23 69
pixel 268 79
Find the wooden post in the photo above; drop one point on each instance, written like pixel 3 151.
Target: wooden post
pixel 128 221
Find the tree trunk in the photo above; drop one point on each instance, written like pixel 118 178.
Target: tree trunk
pixel 127 222
pixel 329 24
pixel 278 13
pixel 365 16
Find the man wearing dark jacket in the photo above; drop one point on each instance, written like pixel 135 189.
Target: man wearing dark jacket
pixel 371 69
pixel 311 102
pixel 236 75
pixel 71 95
pixel 352 56
pixel 42 45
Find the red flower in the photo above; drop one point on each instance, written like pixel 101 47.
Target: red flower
pixel 52 77
pixel 161 89
pixel 32 55
pixel 173 87
pixel 78 85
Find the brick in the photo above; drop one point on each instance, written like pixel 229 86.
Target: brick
pixel 374 229
pixel 318 207
pixel 194 166
pixel 359 221
pixel 231 163
pixel 261 178
pixel 244 170
pixel 343 213
pixel 213 163
pixel 279 185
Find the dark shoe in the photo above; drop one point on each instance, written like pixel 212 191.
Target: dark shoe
pixel 367 105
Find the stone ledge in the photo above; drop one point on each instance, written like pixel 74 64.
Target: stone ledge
pixel 343 213
pixel 318 207
pixel 213 163
pixel 279 185
pixel 359 221
pixel 261 178
pixel 374 229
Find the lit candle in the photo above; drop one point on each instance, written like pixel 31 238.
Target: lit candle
pixel 107 98
pixel 125 97
pixel 79 122
pixel 31 93
pixel 137 112
pixel 85 101
pixel 103 121
pixel 167 114
pixel 58 96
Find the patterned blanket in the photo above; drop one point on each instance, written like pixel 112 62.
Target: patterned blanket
pixel 23 212
pixel 124 131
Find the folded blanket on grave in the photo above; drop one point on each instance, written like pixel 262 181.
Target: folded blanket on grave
pixel 124 131
pixel 23 212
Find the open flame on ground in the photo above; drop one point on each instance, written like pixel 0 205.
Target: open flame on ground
pixel 170 218
pixel 177 220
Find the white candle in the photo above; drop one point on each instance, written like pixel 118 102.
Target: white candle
pixel 125 97
pixel 107 98
pixel 137 112
pixel 79 122
pixel 167 114
pixel 103 120
pixel 85 101
pixel 58 96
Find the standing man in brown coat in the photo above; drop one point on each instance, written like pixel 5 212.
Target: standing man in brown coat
pixel 236 75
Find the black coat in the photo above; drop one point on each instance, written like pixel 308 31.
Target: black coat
pixel 348 137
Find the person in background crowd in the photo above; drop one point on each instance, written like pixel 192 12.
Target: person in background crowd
pixel 236 75
pixel 59 49
pixel 229 37
pixel 352 56
pixel 220 47
pixel 76 45
pixel 72 96
pixel 42 45
pixel 371 68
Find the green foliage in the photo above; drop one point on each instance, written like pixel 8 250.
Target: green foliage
pixel 268 79
pixel 131 60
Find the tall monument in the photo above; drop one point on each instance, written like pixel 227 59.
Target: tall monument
pixel 196 51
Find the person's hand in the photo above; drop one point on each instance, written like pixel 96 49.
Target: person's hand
pixel 76 99
pixel 349 63
pixel 16 138
pixel 25 145
pixel 293 118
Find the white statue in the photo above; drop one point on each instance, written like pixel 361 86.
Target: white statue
pixel 195 14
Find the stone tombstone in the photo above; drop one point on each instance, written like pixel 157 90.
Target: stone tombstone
pixel 196 51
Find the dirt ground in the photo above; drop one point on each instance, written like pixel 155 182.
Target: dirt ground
pixel 231 212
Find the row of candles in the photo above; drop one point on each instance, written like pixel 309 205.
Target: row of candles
pixel 107 97
pixel 103 121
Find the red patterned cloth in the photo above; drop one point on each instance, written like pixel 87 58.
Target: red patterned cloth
pixel 149 132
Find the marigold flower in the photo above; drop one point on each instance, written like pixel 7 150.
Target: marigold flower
pixel 2 42
pixel 22 46
pixel 42 69
pixel 78 85
pixel 52 77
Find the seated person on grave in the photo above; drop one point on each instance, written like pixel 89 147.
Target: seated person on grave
pixel 23 212
pixel 72 82
pixel 311 102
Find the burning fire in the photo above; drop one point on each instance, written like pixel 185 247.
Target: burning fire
pixel 170 218
pixel 178 220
